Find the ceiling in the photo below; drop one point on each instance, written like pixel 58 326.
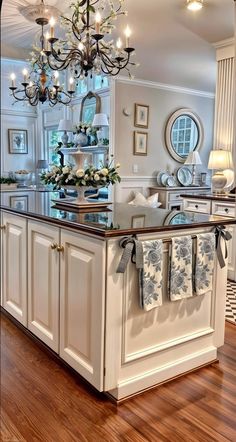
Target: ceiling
pixel 173 45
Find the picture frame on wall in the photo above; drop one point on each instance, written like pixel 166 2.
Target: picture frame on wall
pixel 18 141
pixel 19 202
pixel 141 115
pixel 140 143
pixel 138 221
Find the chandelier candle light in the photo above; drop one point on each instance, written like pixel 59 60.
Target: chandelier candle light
pixel 85 49
pixel 39 85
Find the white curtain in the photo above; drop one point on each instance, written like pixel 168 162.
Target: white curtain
pixel 225 106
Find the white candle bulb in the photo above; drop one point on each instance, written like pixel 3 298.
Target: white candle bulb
pixel 119 44
pixel 71 84
pixel 52 23
pixel 98 20
pixel 25 75
pixel 80 46
pixel 47 36
pixel 127 35
pixel 13 77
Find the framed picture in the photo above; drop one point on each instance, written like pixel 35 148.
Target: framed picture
pixel 19 202
pixel 138 221
pixel 141 115
pixel 18 141
pixel 140 143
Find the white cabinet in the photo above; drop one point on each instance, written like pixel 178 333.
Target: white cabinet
pixel 227 209
pixel 82 305
pixel 219 208
pixel 197 205
pixel 43 282
pixel 170 197
pixel 14 280
pixel 66 273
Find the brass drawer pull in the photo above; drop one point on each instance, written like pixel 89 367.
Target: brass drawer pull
pixel 60 248
pixel 54 246
pixel 3 227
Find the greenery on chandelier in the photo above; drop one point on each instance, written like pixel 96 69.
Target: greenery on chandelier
pixel 90 176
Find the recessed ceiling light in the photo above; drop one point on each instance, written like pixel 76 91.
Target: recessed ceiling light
pixel 194 5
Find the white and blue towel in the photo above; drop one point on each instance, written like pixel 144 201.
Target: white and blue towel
pixel 180 277
pixel 205 257
pixel 151 275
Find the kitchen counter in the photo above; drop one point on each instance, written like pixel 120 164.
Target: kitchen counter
pixel 117 220
pixel 60 281
pixel 230 198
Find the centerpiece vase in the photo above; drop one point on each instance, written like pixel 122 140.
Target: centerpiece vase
pixel 81 199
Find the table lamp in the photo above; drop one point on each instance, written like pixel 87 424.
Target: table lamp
pixel 100 121
pixel 65 126
pixel 194 159
pixel 220 160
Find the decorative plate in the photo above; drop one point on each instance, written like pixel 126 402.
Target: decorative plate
pixel 184 176
pixel 164 177
pixel 171 181
pixel 159 178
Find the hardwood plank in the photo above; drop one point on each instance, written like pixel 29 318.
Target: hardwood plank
pixel 44 401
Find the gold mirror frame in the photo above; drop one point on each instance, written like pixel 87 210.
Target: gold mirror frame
pixel 90 95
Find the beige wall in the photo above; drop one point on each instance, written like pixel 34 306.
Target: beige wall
pixel 162 104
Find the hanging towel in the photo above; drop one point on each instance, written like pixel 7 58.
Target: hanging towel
pixel 150 277
pixel 180 280
pixel 205 256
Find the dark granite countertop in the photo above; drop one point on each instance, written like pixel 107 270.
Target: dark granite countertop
pixel 119 219
pixel 229 198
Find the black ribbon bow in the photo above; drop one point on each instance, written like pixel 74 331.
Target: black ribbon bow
pixel 221 233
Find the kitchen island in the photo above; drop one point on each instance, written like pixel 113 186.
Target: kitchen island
pixel 60 282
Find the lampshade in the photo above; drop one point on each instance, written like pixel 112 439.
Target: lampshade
pixel 220 159
pixel 42 164
pixel 65 125
pixel 193 158
pixel 100 120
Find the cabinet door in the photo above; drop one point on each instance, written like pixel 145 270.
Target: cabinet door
pixel 82 297
pixel 232 254
pixel 14 281
pixel 43 283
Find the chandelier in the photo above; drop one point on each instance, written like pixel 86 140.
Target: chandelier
pixel 40 85
pixel 87 48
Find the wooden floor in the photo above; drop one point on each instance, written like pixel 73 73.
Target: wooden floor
pixel 43 401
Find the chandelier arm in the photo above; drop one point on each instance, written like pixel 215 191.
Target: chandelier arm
pixel 18 91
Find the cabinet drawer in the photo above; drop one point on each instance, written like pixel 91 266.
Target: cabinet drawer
pixel 195 205
pixel 174 196
pixel 224 209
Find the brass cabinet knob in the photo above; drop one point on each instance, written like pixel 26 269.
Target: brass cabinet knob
pixel 60 248
pixel 54 246
pixel 3 227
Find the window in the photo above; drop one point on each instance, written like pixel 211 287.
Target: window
pixel 184 135
pixel 95 83
pixel 52 139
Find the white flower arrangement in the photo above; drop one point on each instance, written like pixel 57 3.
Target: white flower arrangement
pixel 91 176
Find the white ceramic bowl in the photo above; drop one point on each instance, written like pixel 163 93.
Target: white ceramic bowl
pixel 22 176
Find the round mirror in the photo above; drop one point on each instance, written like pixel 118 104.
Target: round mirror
pixel 184 134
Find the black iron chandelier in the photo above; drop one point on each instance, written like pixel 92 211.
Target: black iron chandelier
pixel 86 49
pixel 40 85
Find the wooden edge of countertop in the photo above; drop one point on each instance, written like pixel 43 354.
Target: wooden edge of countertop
pixel 101 233
pixel 199 196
